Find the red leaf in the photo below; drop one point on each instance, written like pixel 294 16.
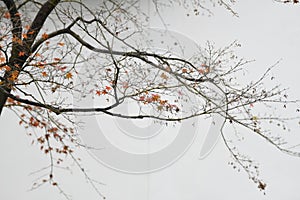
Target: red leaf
pixel 107 88
pixel 98 92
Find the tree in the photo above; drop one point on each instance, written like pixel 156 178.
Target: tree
pixel 55 50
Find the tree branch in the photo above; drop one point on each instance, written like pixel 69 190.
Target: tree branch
pixel 39 21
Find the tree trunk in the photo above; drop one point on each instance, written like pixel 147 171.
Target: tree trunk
pixel 35 27
pixel 3 97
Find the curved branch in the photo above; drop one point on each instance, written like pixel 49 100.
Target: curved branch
pixel 105 110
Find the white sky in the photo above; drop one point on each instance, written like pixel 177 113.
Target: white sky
pixel 268 32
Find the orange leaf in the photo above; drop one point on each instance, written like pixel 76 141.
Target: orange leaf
pixel 184 70
pixel 155 97
pixel 40 65
pixel 2 59
pixel 45 36
pixel 6 15
pixel 44 74
pixel 69 75
pixel 24 35
pixel 61 44
pixel 7 68
pixel 107 88
pixel 201 71
pixel 10 100
pixel 16 39
pixel 163 102
pixel 27 27
pixel 14 75
pixel 98 92
pixel 53 130
pixel 164 76
pixel 21 53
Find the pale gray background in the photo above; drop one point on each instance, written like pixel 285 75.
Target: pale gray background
pixel 268 32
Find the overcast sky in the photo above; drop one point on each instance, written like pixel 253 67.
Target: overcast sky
pixel 268 32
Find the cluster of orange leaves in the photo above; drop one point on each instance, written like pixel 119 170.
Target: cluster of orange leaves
pixel 25 35
pixel 104 91
pixel 152 98
pixel 14 75
pixel 53 132
pixel 68 75
pixel 12 101
pixel 17 40
pixel 156 98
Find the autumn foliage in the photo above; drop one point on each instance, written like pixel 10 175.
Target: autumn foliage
pixel 54 53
